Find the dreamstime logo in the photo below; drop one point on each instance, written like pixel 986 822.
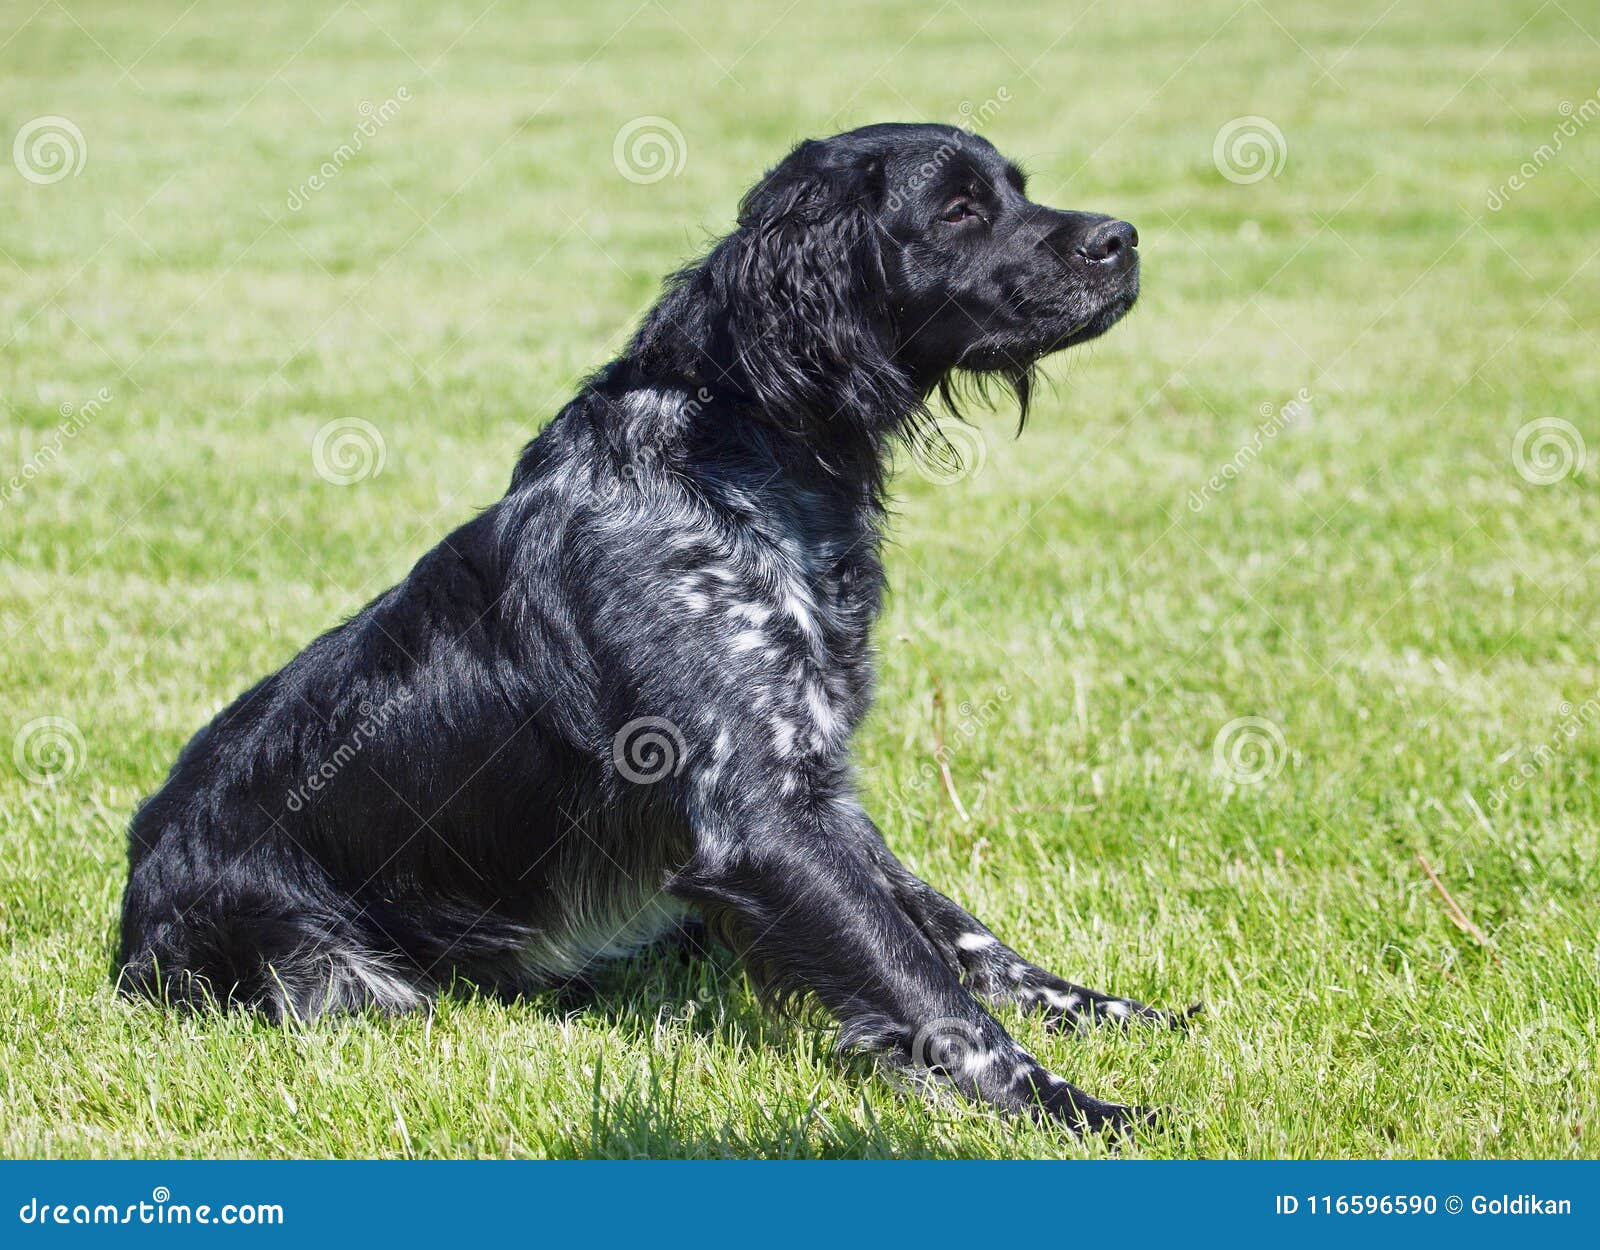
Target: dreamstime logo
pixel 1573 119
pixel 48 149
pixel 950 1046
pixel 75 418
pixel 974 718
pixel 1248 149
pixel 373 718
pixel 159 1209
pixel 48 749
pixel 973 116
pixel 1550 1053
pixel 1573 721
pixel 654 448
pixel 1273 422
pixel 648 149
pixel 348 450
pixel 970 117
pixel 669 1006
pixel 1548 450
pixel 1248 751
pixel 952 451
pixel 648 750
pixel 374 117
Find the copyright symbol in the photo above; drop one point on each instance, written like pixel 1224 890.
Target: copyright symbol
pixel 1452 1204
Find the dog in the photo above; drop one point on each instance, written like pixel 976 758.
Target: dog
pixel 621 698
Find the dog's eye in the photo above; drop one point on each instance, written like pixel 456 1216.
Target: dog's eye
pixel 959 210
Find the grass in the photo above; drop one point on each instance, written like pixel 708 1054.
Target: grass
pixel 1411 618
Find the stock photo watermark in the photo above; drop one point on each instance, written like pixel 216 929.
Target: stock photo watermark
pixel 1551 1053
pixel 1548 450
pixel 1249 149
pixel 648 149
pixel 75 418
pixel 1275 419
pixel 1249 751
pixel 374 117
pixel 159 1209
pixel 1574 119
pixel 48 750
pixel 651 454
pixel 1573 720
pixel 648 749
pixel 934 770
pixel 949 1045
pixel 969 117
pixel 49 149
pixel 348 450
pixel 952 452
pixel 373 718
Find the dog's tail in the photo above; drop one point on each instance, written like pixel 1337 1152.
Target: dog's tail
pixel 239 947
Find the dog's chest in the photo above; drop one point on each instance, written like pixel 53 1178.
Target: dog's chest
pixel 794 601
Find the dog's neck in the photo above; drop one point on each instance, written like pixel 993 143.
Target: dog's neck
pixel 845 452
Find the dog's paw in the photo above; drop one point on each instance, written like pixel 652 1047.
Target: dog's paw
pixel 1086 1115
pixel 1123 1120
pixel 1177 1021
pixel 1049 1097
pixel 1076 1008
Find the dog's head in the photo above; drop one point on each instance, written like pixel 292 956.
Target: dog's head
pixel 869 268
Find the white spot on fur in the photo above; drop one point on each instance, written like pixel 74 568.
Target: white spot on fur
pixel 652 401
pixel 378 977
pixel 975 941
pixel 612 924
pixel 822 714
pixel 344 978
pixel 706 780
pixel 748 640
pixel 692 597
pixel 801 614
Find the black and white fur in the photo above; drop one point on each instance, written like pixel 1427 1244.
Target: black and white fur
pixel 623 696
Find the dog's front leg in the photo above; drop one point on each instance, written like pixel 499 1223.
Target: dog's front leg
pixel 812 913
pixel 996 973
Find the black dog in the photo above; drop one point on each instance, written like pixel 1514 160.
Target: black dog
pixel 624 694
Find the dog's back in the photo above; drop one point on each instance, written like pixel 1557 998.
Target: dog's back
pixel 420 796
pixel 281 863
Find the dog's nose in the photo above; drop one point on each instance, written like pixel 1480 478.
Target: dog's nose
pixel 1109 243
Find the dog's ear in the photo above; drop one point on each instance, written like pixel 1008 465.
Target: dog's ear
pixel 808 312
pixel 792 308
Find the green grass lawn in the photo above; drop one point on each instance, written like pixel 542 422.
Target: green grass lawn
pixel 1387 580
